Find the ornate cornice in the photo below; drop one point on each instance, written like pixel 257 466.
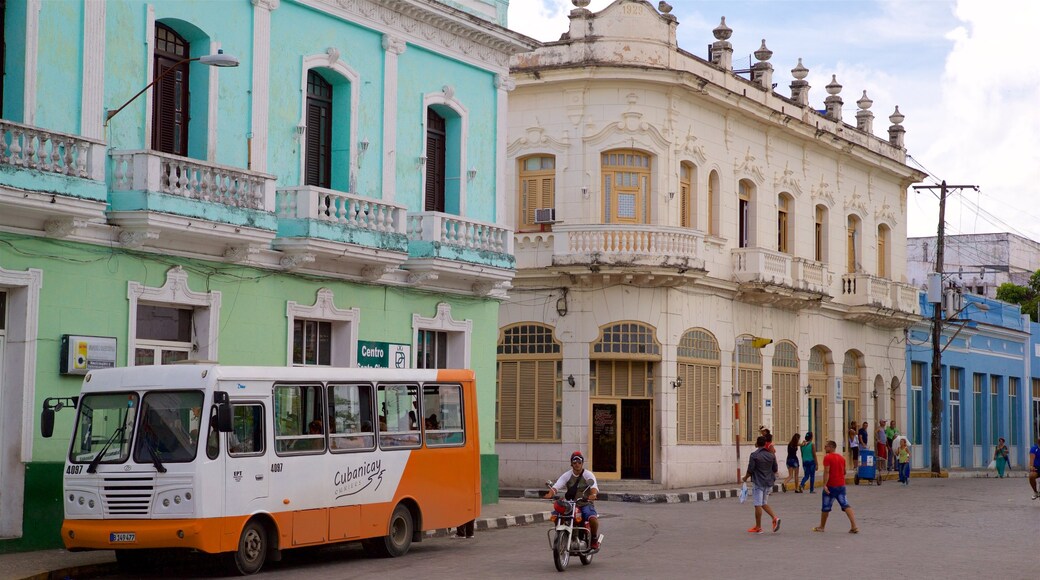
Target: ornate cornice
pixel 429 24
pixel 821 193
pixel 269 5
pixel 787 181
pixel 536 138
pixel 748 168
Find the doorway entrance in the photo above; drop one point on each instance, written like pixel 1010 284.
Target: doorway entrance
pixel 621 441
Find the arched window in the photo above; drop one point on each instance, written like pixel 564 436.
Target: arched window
pixel 530 384
pixel 686 198
pixel 819 378
pixel 626 187
pixel 713 203
pixel 698 395
pixel 783 225
pixel 537 191
pixel 786 390
pixel 171 94
pixel 318 153
pixel 749 381
pixel 623 361
pixel 745 217
pixel 820 234
pixel 852 244
pixel 882 251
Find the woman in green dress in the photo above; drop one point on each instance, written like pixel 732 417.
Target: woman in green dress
pixel 1000 456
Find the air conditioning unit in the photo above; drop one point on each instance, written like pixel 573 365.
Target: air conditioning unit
pixel 545 215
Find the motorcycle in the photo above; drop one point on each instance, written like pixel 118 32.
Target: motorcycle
pixel 570 536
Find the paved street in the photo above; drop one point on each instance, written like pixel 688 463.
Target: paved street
pixel 949 528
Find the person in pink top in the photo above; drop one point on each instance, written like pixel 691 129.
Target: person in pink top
pixel 834 487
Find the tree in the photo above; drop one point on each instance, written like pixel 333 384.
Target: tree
pixel 1027 297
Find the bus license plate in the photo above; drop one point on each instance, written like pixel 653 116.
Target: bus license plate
pixel 122 537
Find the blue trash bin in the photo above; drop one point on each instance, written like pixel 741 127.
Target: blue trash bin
pixel 867 469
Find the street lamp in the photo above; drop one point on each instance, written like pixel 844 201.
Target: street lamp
pixel 220 59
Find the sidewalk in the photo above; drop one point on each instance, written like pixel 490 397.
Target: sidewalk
pixel 516 507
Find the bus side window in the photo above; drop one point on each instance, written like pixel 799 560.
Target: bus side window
pixel 299 419
pixel 247 429
pixel 442 405
pixel 350 418
pixel 398 416
pixel 212 436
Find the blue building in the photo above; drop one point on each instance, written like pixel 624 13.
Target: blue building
pixel 338 188
pixel 990 387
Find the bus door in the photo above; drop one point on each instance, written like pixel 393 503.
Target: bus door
pixel 247 477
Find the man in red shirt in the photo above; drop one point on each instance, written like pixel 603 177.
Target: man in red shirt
pixel 834 487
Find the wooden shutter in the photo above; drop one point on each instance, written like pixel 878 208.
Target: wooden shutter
pixel 527 378
pixel 170 94
pixel 507 399
pixel 545 411
pixel 684 205
pixel 318 155
pixel 436 148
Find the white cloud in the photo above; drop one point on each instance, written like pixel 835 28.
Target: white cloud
pixel 545 20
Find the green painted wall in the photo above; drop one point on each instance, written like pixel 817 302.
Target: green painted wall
pixel 42 510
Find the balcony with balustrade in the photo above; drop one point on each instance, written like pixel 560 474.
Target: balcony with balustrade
pixel 459 251
pixel 879 301
pixel 193 204
pixel 50 181
pixel 645 254
pixel 771 277
pixel 360 233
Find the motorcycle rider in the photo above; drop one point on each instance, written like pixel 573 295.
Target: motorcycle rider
pixel 576 481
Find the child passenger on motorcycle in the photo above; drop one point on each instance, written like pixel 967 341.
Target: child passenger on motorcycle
pixel 576 482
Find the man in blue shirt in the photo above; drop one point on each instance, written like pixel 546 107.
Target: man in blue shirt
pixel 1034 466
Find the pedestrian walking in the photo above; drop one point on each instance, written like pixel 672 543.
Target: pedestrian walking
pixel 769 438
pixel 808 463
pixel 792 464
pixel 903 460
pixel 882 445
pixel 1000 456
pixel 761 470
pixel 1034 466
pixel 853 444
pixel 890 434
pixel 834 488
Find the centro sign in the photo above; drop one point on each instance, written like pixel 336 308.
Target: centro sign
pixel 386 355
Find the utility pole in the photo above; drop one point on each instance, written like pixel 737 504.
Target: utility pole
pixel 937 313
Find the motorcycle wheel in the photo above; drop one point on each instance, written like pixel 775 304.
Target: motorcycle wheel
pixel 586 559
pixel 561 551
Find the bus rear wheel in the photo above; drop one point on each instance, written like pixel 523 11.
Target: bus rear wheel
pixel 399 535
pixel 252 549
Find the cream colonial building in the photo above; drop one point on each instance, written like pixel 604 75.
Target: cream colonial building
pixel 668 210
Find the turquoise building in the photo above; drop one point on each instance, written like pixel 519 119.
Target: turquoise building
pixel 255 182
pixel 990 382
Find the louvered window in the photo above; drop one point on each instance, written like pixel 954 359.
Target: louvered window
pixel 686 195
pixel 744 215
pixel 698 397
pixel 319 131
pixel 436 152
pixel 786 392
pixel 537 188
pixel 170 95
pixel 530 379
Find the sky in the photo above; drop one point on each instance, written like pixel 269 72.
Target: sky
pixel 961 71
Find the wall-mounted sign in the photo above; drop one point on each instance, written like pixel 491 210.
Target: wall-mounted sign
pixel 837 389
pixel 80 354
pixel 385 355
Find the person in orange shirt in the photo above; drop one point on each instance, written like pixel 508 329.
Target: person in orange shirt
pixel 834 487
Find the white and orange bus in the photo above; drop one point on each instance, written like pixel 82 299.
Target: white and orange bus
pixel 249 461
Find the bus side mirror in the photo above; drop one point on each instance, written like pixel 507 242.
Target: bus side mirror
pixel 50 406
pixel 224 418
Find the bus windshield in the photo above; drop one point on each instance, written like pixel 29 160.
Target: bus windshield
pixel 104 420
pixel 169 431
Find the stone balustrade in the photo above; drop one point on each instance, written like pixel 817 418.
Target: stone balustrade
pixel 762 266
pixel 29 147
pixel 859 289
pixel 326 205
pixel 459 232
pixel 155 172
pixel 624 244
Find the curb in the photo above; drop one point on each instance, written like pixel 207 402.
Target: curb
pixel 494 524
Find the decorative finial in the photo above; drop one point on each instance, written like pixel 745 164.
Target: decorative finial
pixel 664 7
pixel 896 117
pixel 763 54
pixel 800 72
pixel 580 3
pixel 864 102
pixel 833 87
pixel 722 32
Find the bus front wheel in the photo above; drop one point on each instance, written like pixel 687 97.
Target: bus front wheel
pixel 398 538
pixel 252 549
